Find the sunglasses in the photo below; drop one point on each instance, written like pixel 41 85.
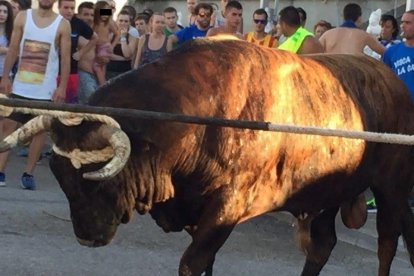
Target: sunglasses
pixel 258 21
pixel 204 15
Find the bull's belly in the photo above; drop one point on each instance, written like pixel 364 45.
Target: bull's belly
pixel 308 179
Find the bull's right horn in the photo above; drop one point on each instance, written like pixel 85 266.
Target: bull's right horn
pixel 122 149
pixel 26 132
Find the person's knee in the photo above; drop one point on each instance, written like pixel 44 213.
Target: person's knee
pixel 8 126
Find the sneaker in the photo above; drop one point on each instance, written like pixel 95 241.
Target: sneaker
pixel 28 182
pixel 371 206
pixel 2 179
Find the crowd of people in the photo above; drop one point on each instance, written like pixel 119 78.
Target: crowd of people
pixel 65 57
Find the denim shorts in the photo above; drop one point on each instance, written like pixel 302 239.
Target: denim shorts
pixel 87 86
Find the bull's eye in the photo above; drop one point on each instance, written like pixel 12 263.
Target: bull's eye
pixel 145 147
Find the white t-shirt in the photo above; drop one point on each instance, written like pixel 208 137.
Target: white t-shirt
pixel 38 69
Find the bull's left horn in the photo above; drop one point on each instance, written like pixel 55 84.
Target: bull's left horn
pixel 122 149
pixel 26 132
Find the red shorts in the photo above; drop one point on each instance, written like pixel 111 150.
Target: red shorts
pixel 71 89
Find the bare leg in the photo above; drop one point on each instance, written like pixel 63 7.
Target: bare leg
pixel 100 74
pixel 8 127
pixel 322 241
pixel 35 149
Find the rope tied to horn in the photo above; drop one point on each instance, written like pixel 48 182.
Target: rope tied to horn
pixel 79 158
pixel 119 149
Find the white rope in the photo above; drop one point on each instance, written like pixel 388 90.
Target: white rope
pixel 73 118
pixel 389 138
pixel 79 158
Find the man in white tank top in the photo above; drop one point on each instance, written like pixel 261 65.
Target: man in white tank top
pixel 40 36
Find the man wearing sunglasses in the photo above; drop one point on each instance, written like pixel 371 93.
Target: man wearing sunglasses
pixel 259 36
pixel 232 20
pixel 199 29
pixel 299 40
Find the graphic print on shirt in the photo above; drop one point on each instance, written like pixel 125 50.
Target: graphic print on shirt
pixel 404 65
pixel 33 62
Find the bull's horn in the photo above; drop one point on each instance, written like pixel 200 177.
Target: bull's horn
pixel 26 132
pixel 122 149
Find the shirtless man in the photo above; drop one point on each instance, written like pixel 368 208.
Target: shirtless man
pixel 87 80
pixel 348 38
pixel 233 17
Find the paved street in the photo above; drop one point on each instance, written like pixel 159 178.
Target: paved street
pixel 36 238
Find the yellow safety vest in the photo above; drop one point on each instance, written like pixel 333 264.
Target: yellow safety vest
pixel 293 43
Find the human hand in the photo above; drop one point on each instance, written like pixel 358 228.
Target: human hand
pixel 5 86
pixel 102 60
pixel 76 56
pixel 59 95
pixel 123 32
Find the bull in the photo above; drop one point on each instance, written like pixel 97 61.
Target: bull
pixel 206 179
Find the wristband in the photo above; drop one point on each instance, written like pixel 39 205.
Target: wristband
pixel 123 39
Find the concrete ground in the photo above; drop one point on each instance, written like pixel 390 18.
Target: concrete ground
pixel 36 238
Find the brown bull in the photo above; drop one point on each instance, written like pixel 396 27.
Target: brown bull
pixel 208 179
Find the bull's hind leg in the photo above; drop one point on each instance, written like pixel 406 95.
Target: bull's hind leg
pixel 390 207
pixel 408 232
pixel 320 242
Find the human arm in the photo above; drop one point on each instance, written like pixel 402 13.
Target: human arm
pixel 211 32
pixel 86 48
pixel 64 31
pixel 171 40
pixel 213 19
pixel 12 54
pixel 113 28
pixel 310 45
pixel 86 32
pixel 139 52
pixel 374 44
pixel 322 41
pixel 3 50
pixel 128 44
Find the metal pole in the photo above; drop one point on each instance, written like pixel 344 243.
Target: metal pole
pixel 218 122
pixel 409 5
pixel 264 3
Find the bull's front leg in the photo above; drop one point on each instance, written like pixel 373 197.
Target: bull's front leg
pixel 215 226
pixel 321 239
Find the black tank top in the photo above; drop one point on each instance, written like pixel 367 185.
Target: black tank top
pixel 148 55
